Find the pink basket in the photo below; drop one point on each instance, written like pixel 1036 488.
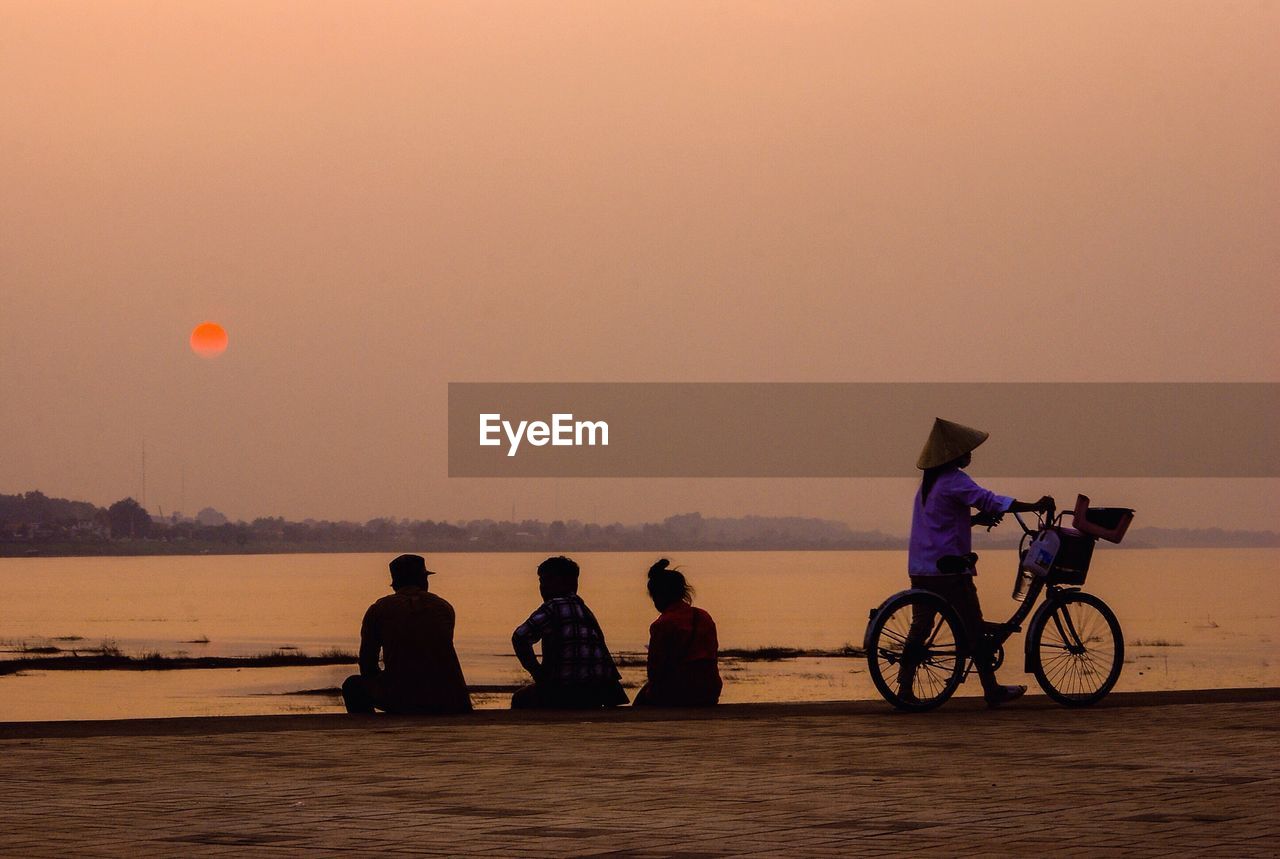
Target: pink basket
pixel 1104 523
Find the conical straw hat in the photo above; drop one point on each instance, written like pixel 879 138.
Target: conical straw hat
pixel 948 441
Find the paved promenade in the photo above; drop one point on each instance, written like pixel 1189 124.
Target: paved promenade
pixel 1144 775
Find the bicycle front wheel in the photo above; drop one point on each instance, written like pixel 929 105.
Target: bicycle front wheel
pixel 1079 649
pixel 914 651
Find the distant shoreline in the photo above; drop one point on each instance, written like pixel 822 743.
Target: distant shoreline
pixel 113 660
pixel 35 525
pixel 144 549
pixel 126 551
pixel 110 658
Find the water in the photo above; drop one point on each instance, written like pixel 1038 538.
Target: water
pixel 1193 619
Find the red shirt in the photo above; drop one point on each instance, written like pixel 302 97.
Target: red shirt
pixel 680 635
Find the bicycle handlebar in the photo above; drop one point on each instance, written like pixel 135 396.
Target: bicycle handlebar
pixel 1044 517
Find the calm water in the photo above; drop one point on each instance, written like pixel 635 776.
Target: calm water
pixel 1193 618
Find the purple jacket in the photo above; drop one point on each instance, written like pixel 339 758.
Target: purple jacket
pixel 940 526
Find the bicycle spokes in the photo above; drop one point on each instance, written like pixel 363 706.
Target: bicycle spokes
pixel 918 652
pixel 1077 649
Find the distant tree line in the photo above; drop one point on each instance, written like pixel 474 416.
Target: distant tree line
pixel 33 518
pixel 32 523
pixel 686 531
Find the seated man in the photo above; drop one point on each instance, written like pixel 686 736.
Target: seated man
pixel 576 671
pixel 413 630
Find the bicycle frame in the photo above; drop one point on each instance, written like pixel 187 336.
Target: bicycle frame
pixel 1039 587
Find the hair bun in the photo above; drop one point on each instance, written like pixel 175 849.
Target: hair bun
pixel 659 568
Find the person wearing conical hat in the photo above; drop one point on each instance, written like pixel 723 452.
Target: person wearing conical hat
pixel 940 558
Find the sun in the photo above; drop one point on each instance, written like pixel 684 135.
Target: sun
pixel 208 340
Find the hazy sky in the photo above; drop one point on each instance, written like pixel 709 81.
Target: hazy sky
pixel 379 198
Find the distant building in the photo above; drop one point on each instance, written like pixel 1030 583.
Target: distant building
pixel 14 532
pixel 90 528
pixel 210 518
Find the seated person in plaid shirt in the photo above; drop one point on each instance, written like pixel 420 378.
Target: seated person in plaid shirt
pixel 576 671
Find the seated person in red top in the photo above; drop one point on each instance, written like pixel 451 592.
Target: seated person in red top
pixel 682 646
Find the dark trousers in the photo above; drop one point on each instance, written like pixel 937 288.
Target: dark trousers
pixel 365 694
pixel 554 696
pixel 358 694
pixel 961 592
pixel 692 684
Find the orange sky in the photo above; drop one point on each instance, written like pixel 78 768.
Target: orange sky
pixel 377 199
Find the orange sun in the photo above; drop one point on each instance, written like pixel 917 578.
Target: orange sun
pixel 209 340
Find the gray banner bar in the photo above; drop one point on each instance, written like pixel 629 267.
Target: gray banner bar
pixel 1113 429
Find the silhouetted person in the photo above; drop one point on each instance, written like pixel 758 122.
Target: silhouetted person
pixel 940 558
pixel 683 649
pixel 413 631
pixel 576 671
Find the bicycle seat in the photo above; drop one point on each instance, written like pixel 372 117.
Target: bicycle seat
pixel 951 565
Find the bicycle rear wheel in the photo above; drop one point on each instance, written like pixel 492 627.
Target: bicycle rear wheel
pixel 915 650
pixel 1078 648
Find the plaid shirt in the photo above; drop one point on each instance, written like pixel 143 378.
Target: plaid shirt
pixel 573 648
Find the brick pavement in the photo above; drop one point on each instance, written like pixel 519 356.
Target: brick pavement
pixel 1148 775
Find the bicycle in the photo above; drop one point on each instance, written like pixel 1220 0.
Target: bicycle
pixel 1074 644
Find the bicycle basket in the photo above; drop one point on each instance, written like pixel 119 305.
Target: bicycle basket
pixel 1105 523
pixel 1075 551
